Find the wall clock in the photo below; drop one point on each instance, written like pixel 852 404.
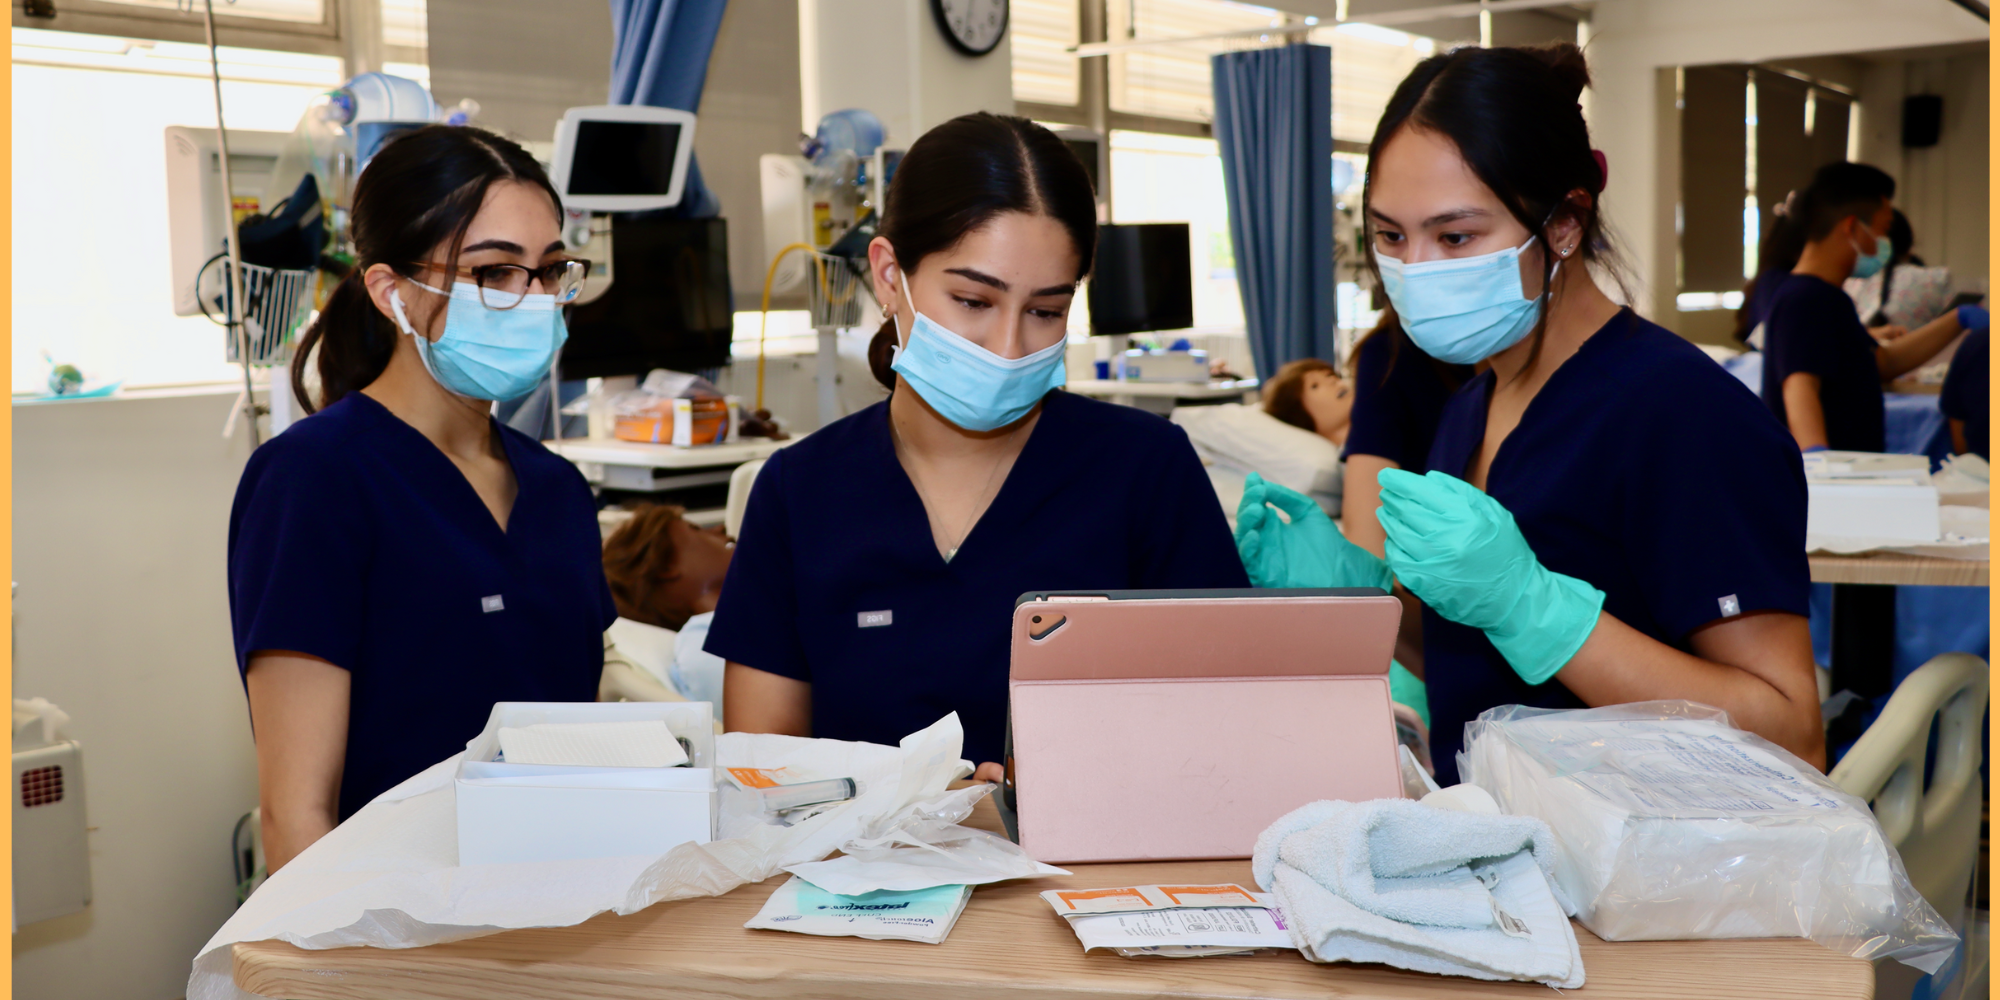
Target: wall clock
pixel 973 27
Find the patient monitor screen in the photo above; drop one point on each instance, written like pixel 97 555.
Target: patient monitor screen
pixel 623 158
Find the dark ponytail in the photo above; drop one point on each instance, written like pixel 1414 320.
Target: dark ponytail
pixel 961 174
pixel 1514 116
pixel 419 193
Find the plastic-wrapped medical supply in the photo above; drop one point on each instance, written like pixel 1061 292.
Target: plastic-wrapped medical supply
pixel 672 407
pixel 925 915
pixel 1672 824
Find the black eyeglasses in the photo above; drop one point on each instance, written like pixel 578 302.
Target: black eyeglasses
pixel 504 286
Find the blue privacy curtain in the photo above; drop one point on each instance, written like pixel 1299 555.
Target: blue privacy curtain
pixel 1274 122
pixel 659 57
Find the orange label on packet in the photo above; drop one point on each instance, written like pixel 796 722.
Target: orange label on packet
pixel 1134 896
pixel 1126 899
pixel 754 777
pixel 1208 895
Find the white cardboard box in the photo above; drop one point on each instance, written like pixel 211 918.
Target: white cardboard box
pixel 510 813
pixel 1861 509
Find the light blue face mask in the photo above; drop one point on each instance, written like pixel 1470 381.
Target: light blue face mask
pixel 1869 265
pixel 1462 310
pixel 491 354
pixel 968 384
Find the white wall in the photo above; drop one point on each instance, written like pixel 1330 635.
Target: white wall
pixel 749 107
pixel 1943 188
pixel 121 514
pixel 889 57
pixel 1630 40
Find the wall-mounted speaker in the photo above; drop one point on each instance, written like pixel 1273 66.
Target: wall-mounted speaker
pixel 1923 116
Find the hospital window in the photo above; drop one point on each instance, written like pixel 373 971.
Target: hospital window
pixel 92 281
pixel 1172 81
pixel 1368 62
pixel 295 11
pixel 1045 71
pixel 1172 178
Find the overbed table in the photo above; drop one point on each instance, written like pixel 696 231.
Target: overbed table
pixel 1008 944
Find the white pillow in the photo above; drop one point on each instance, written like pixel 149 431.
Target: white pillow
pixel 649 646
pixel 1247 439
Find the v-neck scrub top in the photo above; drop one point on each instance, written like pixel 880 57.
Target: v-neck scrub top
pixel 355 540
pixel 836 579
pixel 1645 469
pixel 1399 393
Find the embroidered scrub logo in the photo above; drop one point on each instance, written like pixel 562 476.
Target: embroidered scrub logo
pixel 1730 606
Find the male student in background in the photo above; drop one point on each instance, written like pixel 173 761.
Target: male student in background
pixel 1823 373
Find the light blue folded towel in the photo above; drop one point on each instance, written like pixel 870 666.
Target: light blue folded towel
pixel 1421 887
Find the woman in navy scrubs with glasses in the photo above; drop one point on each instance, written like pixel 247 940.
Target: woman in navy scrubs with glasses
pixel 873 588
pixel 398 561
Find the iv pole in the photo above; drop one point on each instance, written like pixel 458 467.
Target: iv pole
pixel 236 299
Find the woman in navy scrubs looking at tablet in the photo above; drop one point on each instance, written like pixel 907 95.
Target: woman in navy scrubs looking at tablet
pixel 1571 541
pixel 398 561
pixel 873 587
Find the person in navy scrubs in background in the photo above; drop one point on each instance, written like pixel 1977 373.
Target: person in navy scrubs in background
pixel 1967 390
pixel 1567 543
pixel 1399 394
pixel 398 561
pixel 873 587
pixel 1823 371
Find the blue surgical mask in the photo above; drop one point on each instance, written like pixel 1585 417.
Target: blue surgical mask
pixel 1462 310
pixel 968 384
pixel 1869 265
pixel 493 354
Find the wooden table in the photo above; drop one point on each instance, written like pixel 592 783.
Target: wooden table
pixel 1896 568
pixel 1008 944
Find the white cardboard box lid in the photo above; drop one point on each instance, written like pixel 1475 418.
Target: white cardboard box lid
pixel 492 774
pixel 693 721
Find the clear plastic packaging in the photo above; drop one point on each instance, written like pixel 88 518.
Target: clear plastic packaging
pixel 1673 824
pixel 649 413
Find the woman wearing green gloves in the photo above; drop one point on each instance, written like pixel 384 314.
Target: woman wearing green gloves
pixel 1610 517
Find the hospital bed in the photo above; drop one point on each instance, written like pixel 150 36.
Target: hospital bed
pixel 1234 440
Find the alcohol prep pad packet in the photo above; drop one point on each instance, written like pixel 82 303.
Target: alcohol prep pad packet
pixel 925 915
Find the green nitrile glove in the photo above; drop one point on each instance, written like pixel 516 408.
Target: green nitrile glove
pixel 1308 552
pixel 1460 552
pixel 1406 688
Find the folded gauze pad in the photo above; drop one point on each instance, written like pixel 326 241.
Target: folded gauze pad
pixel 646 743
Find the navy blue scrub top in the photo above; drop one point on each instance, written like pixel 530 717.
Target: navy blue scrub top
pixel 1812 328
pixel 355 540
pixel 1645 469
pixel 836 580
pixel 1967 386
pixel 1399 393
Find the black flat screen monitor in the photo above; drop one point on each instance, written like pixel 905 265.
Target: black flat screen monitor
pixel 669 304
pixel 1143 279
pixel 623 158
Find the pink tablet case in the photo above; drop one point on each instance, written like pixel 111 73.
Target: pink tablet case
pixel 1154 729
